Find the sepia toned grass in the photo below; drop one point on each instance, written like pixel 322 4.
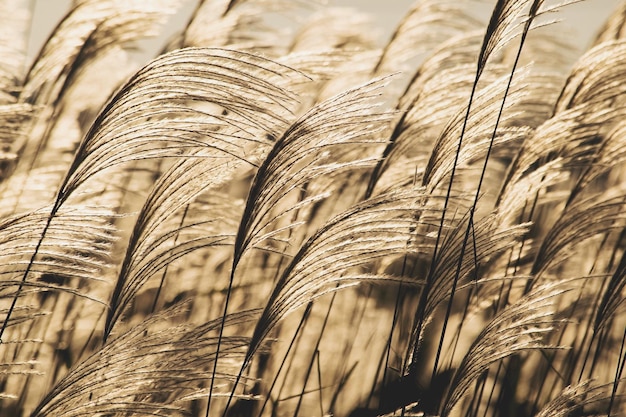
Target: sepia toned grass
pixel 277 216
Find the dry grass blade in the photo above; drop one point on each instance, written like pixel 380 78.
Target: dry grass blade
pixel 244 25
pixel 159 112
pixel 435 118
pixel 488 239
pixel 70 260
pixel 14 121
pixel 573 399
pixel 310 148
pixel 440 86
pixel 76 246
pixel 345 251
pixel 477 130
pixel 217 23
pixel 426 25
pixel 152 245
pixel 145 370
pixel 613 297
pixel 613 28
pixel 610 156
pixel 571 137
pixel 14 19
pixel 334 29
pixel 506 15
pixel 571 229
pixel 57 83
pixel 518 328
pixel 598 78
pixel 457 52
pixel 88 29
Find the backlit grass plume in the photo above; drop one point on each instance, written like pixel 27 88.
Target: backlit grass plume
pixel 278 215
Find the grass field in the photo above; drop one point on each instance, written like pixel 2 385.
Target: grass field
pixel 278 215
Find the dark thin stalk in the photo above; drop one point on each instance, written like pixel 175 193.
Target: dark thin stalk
pixel 292 343
pixel 340 385
pixel 319 381
pixel 493 387
pixel 29 267
pixel 316 349
pixel 457 333
pixel 345 371
pixel 450 303
pixel 602 335
pixel 472 409
pixel 413 350
pixel 470 224
pixel 219 344
pixel 394 321
pixel 619 369
pixel 480 391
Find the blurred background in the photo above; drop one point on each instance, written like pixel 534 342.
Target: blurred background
pixel 581 20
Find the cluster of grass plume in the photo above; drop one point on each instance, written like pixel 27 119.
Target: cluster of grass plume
pixel 287 219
